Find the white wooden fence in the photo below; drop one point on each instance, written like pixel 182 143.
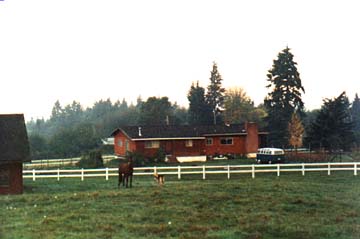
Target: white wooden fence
pixel 60 162
pixel 203 170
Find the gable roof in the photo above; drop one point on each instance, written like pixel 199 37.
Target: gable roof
pixel 14 143
pixel 179 131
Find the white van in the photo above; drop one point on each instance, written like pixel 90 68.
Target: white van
pixel 270 155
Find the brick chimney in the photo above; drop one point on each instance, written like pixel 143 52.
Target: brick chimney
pixel 252 139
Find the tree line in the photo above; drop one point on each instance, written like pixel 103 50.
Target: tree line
pixel 73 130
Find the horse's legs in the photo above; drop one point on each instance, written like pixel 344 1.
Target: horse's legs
pixel 120 179
pixel 127 180
pixel 130 180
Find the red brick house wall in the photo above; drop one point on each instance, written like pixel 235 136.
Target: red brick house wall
pixel 14 174
pixel 175 147
pixel 120 144
pixel 237 147
pixel 179 148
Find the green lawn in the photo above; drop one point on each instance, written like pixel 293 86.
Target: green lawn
pixel 289 206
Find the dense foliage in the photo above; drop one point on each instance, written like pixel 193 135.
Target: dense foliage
pixel 93 159
pixel 239 108
pixel 333 127
pixel 284 98
pixel 72 131
pixel 199 112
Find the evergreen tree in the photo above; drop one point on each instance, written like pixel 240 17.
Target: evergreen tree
pixel 56 112
pixel 284 99
pixel 333 127
pixel 199 111
pixel 215 94
pixel 355 114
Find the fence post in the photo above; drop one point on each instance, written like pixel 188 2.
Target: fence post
pixel 278 170
pixel 329 169
pixel 303 169
pixel 107 174
pixel 34 178
pixel 204 177
pixel 155 170
pixel 355 169
pixel 58 174
pixel 82 174
pixel 228 172
pixel 179 172
pixel 253 171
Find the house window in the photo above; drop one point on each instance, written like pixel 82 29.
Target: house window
pixel 120 143
pixel 226 141
pixel 188 143
pixel 4 177
pixel 209 141
pixel 152 144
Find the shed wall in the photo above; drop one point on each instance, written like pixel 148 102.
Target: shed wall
pixel 15 177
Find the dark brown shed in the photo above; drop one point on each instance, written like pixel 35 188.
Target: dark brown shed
pixel 14 150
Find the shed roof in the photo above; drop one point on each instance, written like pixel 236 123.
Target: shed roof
pixel 14 143
pixel 180 131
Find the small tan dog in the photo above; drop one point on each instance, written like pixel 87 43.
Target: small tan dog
pixel 160 179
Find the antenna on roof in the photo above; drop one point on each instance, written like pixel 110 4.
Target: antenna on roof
pixel 140 131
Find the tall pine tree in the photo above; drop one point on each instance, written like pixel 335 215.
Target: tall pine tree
pixel 215 94
pixel 284 99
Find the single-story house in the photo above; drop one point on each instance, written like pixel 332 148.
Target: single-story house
pixel 14 150
pixel 185 140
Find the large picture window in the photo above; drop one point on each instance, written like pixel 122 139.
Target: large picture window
pixel 226 141
pixel 4 177
pixel 189 143
pixel 154 144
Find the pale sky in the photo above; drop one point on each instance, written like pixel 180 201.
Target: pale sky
pixel 87 50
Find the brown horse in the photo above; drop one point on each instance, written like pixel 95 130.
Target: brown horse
pixel 125 172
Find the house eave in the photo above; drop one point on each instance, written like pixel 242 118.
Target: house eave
pixel 228 134
pixel 160 139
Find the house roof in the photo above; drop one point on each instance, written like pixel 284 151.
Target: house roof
pixel 179 131
pixel 14 144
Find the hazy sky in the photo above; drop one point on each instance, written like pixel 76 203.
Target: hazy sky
pixel 87 50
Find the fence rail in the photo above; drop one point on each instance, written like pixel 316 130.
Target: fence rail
pixel 203 170
pixel 60 162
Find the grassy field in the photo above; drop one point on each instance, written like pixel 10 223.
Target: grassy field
pixel 289 206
